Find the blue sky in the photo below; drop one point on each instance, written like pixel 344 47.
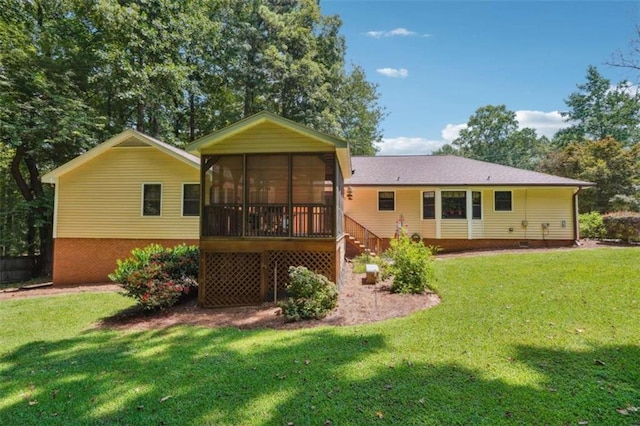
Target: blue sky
pixel 437 62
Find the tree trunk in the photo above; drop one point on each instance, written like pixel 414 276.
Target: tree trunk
pixel 31 192
pixel 140 117
pixel 192 117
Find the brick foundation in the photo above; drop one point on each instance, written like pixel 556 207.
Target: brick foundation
pixel 90 260
pixel 451 246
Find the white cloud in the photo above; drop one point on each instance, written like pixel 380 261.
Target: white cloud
pixel 393 72
pixel 452 131
pixel 375 34
pixel 408 146
pixel 401 32
pixel 544 123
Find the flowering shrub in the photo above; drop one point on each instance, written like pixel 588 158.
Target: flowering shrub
pixel 622 225
pixel 412 265
pixel 311 295
pixel 157 277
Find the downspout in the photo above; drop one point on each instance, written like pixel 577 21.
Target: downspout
pixel 576 225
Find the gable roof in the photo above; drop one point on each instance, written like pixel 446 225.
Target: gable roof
pixel 447 170
pixel 129 137
pixel 341 146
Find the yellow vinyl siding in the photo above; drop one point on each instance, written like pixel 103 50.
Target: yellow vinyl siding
pixel 266 138
pixel 454 229
pixel 364 209
pixel 477 229
pixel 543 205
pixel 535 206
pixel 103 197
pixel 428 228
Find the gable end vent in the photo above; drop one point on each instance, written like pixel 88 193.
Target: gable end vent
pixel 132 143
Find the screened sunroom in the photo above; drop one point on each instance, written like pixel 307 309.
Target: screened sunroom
pixel 272 195
pixel 272 198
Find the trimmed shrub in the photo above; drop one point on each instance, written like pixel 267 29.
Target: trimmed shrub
pixel 158 277
pixel 591 225
pixel 622 226
pixel 311 295
pixel 412 265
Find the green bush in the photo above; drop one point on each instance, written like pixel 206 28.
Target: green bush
pixel 591 225
pixel 311 295
pixel 622 226
pixel 157 277
pixel 412 265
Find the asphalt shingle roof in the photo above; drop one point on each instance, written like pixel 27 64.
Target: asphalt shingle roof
pixel 446 170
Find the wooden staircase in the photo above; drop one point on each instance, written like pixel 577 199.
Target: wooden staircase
pixel 361 237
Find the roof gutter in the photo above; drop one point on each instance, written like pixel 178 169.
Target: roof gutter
pixel 576 225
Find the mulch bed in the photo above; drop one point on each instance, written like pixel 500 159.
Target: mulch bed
pixel 357 304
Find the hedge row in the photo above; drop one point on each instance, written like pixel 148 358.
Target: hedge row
pixel 622 226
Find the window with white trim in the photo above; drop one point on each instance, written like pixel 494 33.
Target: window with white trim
pixel 190 199
pixel 429 205
pixel 151 199
pixel 386 200
pixel 454 204
pixel 503 201
pixel 476 200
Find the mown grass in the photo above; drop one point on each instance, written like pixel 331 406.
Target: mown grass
pixel 536 338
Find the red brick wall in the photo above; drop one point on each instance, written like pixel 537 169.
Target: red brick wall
pixel 450 246
pixel 90 260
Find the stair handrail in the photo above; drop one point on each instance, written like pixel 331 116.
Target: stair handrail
pixel 371 241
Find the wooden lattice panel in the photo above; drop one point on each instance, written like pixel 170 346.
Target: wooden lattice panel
pixel 320 262
pixel 231 279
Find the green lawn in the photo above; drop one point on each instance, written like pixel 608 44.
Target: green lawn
pixel 536 338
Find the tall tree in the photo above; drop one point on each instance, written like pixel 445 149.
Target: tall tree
pixel 599 110
pixel 73 72
pixel 358 113
pixel 43 120
pixel 492 135
pixel 606 162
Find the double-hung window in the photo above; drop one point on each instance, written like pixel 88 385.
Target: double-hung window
pixel 476 197
pixel 503 201
pixel 151 199
pixel 190 199
pixel 429 205
pixel 386 201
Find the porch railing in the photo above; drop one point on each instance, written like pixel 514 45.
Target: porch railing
pixel 268 220
pixel 360 233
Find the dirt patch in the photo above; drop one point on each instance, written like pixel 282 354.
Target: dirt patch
pixel 16 293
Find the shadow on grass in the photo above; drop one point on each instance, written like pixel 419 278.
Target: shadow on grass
pixel 189 375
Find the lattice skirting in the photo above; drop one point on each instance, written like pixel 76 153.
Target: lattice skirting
pixel 235 279
pixel 280 261
pixel 231 279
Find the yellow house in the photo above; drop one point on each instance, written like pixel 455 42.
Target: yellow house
pixel 277 194
pixel 128 192
pixel 458 203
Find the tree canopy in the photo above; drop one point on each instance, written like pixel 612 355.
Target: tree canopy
pixel 492 134
pixel 73 72
pixel 599 110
